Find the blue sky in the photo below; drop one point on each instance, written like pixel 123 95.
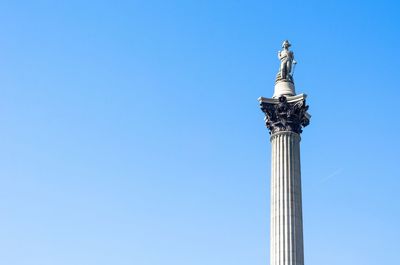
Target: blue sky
pixel 131 133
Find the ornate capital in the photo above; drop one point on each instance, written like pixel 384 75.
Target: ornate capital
pixel 285 113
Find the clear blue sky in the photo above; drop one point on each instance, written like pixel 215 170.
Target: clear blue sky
pixel 131 133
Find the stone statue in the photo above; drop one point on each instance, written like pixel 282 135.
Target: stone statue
pixel 287 60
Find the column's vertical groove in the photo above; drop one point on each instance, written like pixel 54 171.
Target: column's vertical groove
pixel 296 203
pixel 293 201
pixel 277 202
pixel 300 207
pixel 287 191
pixel 284 188
pixel 281 213
pixel 272 218
pixel 290 190
pixel 277 206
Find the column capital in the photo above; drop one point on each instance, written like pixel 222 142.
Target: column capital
pixel 285 113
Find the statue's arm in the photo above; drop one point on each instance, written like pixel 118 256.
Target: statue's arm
pixel 293 60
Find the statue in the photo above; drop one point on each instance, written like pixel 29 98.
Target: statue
pixel 287 61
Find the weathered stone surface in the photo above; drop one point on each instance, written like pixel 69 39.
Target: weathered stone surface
pixel 286 243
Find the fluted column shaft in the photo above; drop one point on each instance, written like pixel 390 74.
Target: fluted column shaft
pixel 286 204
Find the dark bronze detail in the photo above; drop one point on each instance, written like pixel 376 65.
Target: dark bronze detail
pixel 285 116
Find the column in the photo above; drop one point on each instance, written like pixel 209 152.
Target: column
pixel 285 117
pixel 286 209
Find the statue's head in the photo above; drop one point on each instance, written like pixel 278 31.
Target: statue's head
pixel 286 44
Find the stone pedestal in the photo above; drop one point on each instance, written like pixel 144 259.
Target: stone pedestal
pixel 283 88
pixel 285 117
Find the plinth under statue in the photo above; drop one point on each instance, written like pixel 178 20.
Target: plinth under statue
pixel 285 116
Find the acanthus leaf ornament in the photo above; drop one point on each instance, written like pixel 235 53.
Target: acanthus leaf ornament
pixel 285 116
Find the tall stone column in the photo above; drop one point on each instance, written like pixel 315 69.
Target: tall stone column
pixel 285 116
